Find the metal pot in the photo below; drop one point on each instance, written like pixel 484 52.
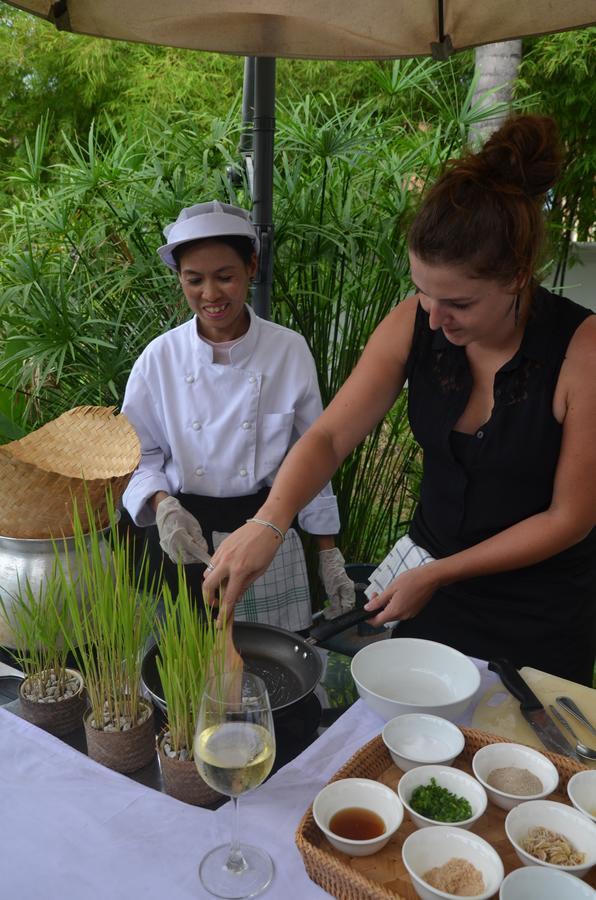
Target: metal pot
pixel 33 561
pixel 288 663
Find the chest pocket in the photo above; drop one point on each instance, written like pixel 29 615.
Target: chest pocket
pixel 276 432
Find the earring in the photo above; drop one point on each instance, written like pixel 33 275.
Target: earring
pixel 516 310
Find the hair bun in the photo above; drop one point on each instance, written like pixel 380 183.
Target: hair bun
pixel 523 153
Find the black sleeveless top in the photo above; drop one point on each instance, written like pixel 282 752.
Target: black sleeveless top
pixel 475 486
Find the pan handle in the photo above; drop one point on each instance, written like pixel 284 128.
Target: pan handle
pixel 335 626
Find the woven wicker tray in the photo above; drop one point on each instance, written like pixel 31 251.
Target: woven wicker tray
pixel 383 876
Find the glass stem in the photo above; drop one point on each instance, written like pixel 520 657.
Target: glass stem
pixel 235 862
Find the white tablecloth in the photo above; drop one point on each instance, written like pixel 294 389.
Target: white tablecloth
pixel 71 829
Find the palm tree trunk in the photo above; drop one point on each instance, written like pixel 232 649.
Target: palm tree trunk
pixel 496 67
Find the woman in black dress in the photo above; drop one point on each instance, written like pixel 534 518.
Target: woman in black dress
pixel 501 380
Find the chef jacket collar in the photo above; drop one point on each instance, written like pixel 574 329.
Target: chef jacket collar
pixel 240 353
pixel 537 335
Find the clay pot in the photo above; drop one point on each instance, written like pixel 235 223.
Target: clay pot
pixel 181 779
pixel 123 751
pixel 58 718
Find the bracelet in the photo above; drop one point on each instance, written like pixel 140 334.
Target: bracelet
pixel 277 530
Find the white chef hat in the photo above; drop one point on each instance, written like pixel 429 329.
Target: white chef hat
pixel 206 220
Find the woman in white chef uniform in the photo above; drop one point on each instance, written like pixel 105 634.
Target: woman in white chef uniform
pixel 217 402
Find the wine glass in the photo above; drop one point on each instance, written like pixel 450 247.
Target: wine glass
pixel 234 750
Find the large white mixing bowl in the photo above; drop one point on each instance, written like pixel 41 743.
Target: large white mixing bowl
pixel 409 675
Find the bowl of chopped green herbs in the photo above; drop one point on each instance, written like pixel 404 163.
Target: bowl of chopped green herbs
pixel 441 795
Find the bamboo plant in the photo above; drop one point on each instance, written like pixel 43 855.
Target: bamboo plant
pixel 38 621
pixel 111 607
pixel 191 650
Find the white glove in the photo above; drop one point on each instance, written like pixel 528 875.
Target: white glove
pixel 339 587
pixel 180 534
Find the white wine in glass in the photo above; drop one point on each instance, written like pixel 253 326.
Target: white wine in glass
pixel 234 751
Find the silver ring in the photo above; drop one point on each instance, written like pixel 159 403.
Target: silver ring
pixel 210 567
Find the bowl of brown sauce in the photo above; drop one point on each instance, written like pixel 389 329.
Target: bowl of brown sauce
pixel 358 816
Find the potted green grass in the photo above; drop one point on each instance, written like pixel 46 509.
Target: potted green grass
pixel 111 608
pixel 52 695
pixel 191 649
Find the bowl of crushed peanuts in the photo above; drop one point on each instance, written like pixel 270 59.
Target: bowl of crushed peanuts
pixel 448 862
pixel 546 833
pixel 441 795
pixel 512 774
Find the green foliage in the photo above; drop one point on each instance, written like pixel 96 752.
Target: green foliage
pixel 558 69
pixel 190 652
pixel 38 620
pixel 110 608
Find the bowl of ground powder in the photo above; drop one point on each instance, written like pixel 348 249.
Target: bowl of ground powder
pixel 448 862
pixel 514 773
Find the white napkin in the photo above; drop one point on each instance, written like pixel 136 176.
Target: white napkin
pixel 404 555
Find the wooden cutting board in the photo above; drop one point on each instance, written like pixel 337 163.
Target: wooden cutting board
pixel 498 712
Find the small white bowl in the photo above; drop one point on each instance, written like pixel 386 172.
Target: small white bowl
pixel 581 790
pixel 419 740
pixel 558 817
pixel 540 883
pixel 500 756
pixel 423 850
pixel 410 675
pixel 364 794
pixel 459 783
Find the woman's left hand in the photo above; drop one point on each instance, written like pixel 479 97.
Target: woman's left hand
pixel 404 597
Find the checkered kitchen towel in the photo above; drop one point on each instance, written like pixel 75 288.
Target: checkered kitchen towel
pixel 281 596
pixel 403 556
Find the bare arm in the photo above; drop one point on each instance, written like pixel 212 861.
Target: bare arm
pixel 569 518
pixel 359 405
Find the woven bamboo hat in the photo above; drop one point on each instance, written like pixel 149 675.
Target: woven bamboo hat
pixel 83 452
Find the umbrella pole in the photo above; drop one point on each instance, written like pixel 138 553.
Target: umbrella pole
pixel 262 194
pixel 248 110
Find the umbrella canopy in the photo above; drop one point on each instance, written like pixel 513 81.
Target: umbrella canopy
pixel 334 29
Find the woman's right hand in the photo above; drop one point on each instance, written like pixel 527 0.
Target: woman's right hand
pixel 240 559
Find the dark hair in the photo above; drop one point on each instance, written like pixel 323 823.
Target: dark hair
pixel 243 246
pixel 486 209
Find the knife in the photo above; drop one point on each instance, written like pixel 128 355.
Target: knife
pixel 532 709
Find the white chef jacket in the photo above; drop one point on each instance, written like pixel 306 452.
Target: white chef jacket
pixel 222 430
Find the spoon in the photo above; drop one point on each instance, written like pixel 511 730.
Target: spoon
pixel 580 749
pixel 571 707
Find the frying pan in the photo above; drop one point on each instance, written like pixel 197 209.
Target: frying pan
pixel 288 663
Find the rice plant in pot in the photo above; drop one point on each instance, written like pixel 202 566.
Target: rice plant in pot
pixel 52 695
pixel 191 649
pixel 109 628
